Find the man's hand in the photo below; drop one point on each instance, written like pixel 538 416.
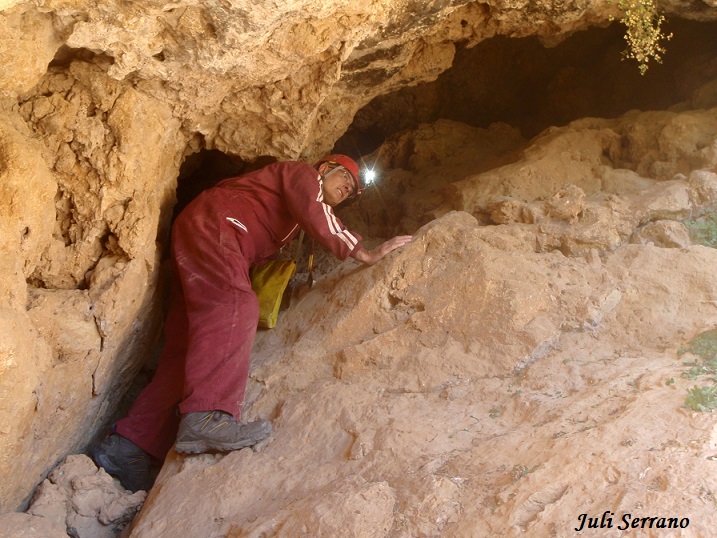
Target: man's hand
pixel 369 257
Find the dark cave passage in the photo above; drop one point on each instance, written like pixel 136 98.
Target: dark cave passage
pixel 206 168
pixel 526 85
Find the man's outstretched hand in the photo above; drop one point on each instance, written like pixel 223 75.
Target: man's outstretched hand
pixel 369 257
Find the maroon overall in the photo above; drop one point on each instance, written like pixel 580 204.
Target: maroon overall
pixel 213 311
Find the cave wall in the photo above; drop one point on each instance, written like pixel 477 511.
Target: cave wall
pixel 99 105
pixel 88 179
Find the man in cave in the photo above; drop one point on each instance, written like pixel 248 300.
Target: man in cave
pixel 195 398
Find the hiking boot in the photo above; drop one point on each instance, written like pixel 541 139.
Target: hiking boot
pixel 217 431
pixel 121 458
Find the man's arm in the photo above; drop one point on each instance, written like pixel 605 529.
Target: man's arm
pixel 369 257
pixel 304 200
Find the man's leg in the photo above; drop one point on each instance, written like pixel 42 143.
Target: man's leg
pixel 221 336
pixel 222 314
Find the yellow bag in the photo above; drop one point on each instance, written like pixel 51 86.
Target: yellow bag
pixel 269 282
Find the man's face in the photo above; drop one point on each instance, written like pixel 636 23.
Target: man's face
pixel 337 186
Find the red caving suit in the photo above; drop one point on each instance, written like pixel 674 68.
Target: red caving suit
pixel 213 312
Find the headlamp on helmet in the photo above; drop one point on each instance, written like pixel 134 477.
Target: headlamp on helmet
pixel 369 176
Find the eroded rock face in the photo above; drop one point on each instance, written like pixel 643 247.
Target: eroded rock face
pixel 257 80
pixel 88 176
pixel 84 501
pixel 100 103
pixel 493 377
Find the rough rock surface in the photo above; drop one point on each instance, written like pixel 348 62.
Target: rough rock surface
pixel 85 501
pixel 101 102
pixel 488 380
pixel 79 221
pixel 283 82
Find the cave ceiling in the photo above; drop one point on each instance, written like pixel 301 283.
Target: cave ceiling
pixel 253 80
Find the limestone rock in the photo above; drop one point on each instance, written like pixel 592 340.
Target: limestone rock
pixel 101 102
pixel 24 525
pixel 507 365
pixel 28 214
pixel 28 44
pixel 87 186
pixel 705 183
pixel 472 370
pixel 85 500
pixel 510 211
pixel 566 204
pixel 663 233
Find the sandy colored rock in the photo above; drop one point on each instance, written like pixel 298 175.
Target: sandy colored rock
pixel 555 403
pixel 511 211
pixel 24 525
pixel 566 204
pixel 84 500
pixel 484 382
pixel 101 102
pixel 705 183
pixel 286 82
pixel 28 44
pixel 80 261
pixel 663 233
pixel 27 217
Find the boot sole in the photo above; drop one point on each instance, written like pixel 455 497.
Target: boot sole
pixel 200 447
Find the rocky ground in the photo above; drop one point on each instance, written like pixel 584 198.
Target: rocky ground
pixel 543 349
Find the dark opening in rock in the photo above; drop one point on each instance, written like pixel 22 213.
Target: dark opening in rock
pixel 526 85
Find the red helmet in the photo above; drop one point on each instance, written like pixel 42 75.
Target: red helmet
pixel 348 163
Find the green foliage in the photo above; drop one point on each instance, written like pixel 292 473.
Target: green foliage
pixel 643 32
pixel 702 398
pixel 697 370
pixel 703 230
pixel 704 346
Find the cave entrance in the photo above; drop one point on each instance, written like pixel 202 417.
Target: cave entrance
pixel 206 168
pixel 515 81
pixel 520 82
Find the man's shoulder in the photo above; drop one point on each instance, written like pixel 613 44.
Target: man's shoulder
pixel 295 174
pixel 298 166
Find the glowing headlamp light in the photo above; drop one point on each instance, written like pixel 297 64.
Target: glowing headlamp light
pixel 369 176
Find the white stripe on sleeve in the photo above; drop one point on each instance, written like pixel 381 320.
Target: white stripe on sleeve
pixel 336 230
pixel 333 223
